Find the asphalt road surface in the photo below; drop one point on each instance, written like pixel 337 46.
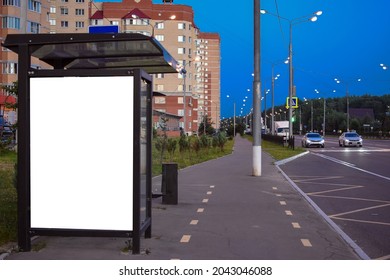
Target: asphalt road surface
pixel 352 186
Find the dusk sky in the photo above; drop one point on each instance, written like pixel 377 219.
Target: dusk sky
pixel 349 41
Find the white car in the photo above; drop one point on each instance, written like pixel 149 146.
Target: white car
pixel 348 139
pixel 313 140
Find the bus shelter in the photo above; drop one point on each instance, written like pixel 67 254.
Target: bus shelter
pixel 85 134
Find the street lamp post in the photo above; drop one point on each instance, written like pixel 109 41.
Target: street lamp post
pixel 312 17
pixel 273 99
pixel 256 149
pixel 347 96
pixel 324 117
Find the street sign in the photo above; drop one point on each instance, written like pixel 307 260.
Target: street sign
pixel 100 29
pixel 294 102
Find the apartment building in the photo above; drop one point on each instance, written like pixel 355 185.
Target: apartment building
pixel 209 51
pixel 171 24
pixel 18 17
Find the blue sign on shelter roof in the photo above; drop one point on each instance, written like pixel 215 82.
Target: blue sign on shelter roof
pixel 99 29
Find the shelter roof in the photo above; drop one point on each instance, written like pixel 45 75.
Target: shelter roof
pixel 96 51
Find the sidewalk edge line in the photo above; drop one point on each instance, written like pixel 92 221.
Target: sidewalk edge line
pixel 335 227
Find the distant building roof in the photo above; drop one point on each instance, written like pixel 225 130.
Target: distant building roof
pixel 362 113
pixel 136 13
pixel 97 15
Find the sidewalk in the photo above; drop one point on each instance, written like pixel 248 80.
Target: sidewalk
pixel 223 213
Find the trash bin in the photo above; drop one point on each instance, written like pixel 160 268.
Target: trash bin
pixel 169 184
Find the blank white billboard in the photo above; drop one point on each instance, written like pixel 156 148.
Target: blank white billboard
pixel 81 156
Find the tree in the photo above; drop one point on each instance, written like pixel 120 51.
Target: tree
pixel 209 129
pixel 10 90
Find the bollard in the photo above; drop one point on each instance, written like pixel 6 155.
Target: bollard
pixel 169 186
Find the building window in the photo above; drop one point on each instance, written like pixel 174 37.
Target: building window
pixel 180 112
pixel 11 3
pixel 64 1
pixel 79 1
pixel 64 24
pixel 181 39
pixel 159 76
pixel 11 22
pixel 159 87
pixel 160 25
pixel 52 22
pixel 97 22
pixel 79 24
pixel 160 38
pixel 52 9
pixel 181 26
pixel 114 22
pixel 10 68
pixel 33 27
pixel 133 21
pixel 159 100
pixel 79 12
pixel 180 100
pixel 34 6
pixel 64 10
pixel 181 50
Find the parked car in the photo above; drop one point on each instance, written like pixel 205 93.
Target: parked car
pixel 348 139
pixel 6 133
pixel 313 140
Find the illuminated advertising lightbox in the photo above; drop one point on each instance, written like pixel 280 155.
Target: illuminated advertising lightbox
pixel 82 152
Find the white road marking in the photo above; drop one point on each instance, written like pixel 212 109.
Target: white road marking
pixel 194 222
pixel 283 202
pixel 334 190
pixel 362 221
pixel 351 166
pixel 200 210
pixel 288 213
pixel 359 210
pixel 205 200
pixel 384 258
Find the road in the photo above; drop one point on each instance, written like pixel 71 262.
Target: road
pixel 352 187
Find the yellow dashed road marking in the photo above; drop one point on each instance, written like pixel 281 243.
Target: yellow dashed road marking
pixel 306 243
pixel 185 239
pixel 296 225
